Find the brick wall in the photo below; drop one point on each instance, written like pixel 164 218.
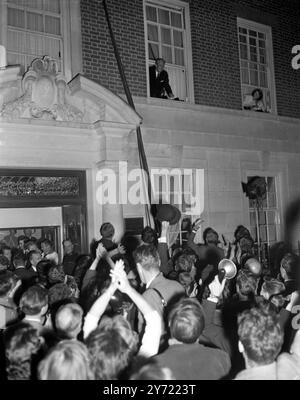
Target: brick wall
pixel 214 43
pixel 215 55
pixel 99 62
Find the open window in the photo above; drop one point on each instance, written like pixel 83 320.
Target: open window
pixel 256 66
pixel 167 28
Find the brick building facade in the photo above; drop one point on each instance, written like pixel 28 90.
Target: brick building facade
pixel 216 69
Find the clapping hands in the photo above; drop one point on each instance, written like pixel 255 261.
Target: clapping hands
pixel 119 277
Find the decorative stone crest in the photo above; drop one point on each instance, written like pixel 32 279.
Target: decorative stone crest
pixel 44 95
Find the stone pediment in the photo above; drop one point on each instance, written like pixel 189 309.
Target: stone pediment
pixel 44 94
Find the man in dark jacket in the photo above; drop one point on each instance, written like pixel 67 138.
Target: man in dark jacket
pixel 159 80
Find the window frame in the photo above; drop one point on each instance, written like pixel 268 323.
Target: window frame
pixel 70 32
pixel 267 30
pixel 187 45
pixel 277 209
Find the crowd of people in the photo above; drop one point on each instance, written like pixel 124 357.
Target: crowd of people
pixel 139 310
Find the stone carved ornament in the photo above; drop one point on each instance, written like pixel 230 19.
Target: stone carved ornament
pixel 44 95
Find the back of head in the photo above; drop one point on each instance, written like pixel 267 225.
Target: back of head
pixel 68 320
pixel 34 300
pixel 260 334
pixel 107 230
pixel 148 257
pixel 22 343
pixel 186 321
pixel 68 360
pixel 19 259
pixel 4 263
pixel 7 282
pixel 109 353
pixel 42 269
pixel 149 235
pixel 290 264
pixel 58 293
pixel 252 265
pixel 246 284
pixel 184 263
pixel 153 372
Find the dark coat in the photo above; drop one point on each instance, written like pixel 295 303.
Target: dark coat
pixel 159 86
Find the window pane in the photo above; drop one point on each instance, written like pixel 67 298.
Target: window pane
pixel 253 77
pixel 253 57
pixel 166 35
pixel 52 25
pixel 245 76
pixel 244 52
pixel 179 57
pixel 164 17
pixel 263 233
pixel 243 39
pixel 53 47
pixel 262 44
pixel 252 219
pixel 167 54
pixel 152 33
pixel 153 51
pixel 16 2
pixel 35 22
pixel 176 20
pixel 263 79
pixel 262 218
pixel 253 33
pixel 151 14
pixel 252 41
pixel 272 200
pixel 178 38
pixel 261 35
pixel 16 18
pixel 243 30
pixel 272 233
pixel 35 4
pixel 271 217
pixel 16 41
pixel 52 5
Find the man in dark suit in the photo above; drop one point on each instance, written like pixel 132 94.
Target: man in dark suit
pixel 159 81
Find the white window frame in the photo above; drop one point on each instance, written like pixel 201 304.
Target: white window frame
pixel 267 30
pixel 71 33
pixel 277 177
pixel 187 44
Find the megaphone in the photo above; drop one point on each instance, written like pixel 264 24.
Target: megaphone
pixel 227 269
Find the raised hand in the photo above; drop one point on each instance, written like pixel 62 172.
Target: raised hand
pixel 164 228
pixel 121 249
pixel 216 288
pixel 197 224
pixel 101 251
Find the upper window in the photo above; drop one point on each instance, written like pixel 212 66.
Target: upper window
pixel 35 28
pixel 256 66
pixel 168 37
